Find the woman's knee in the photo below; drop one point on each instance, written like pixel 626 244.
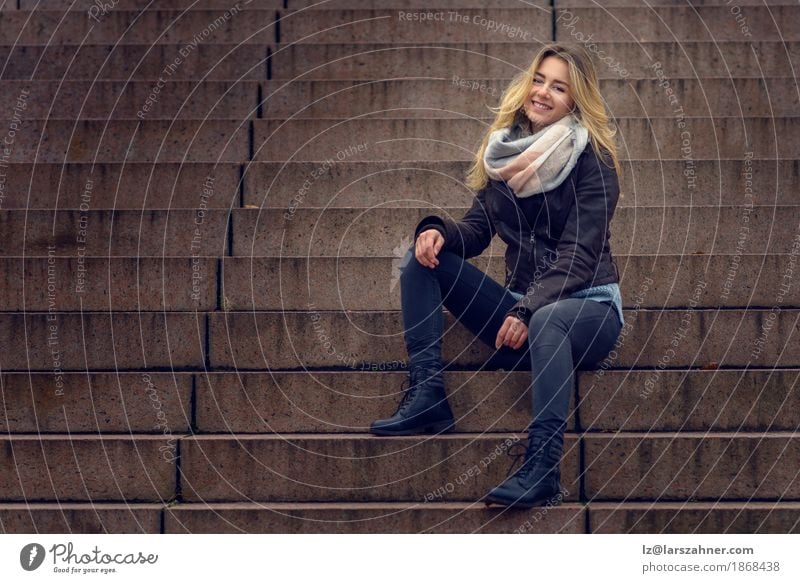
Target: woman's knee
pixel 547 317
pixel 409 262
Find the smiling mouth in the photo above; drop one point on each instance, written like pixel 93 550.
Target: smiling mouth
pixel 541 106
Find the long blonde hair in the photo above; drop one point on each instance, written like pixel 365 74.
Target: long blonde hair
pixel 585 91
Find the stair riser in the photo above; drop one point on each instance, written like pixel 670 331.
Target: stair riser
pixel 450 98
pixel 340 283
pixel 366 184
pixel 352 232
pixel 701 338
pixel 631 468
pixel 389 231
pixel 360 469
pixel 455 96
pixel 124 62
pixel 345 402
pixel 102 341
pixel 647 23
pixel 119 284
pixel 94 26
pixel 366 61
pixel 88 469
pixel 630 60
pixel 140 402
pixel 568 518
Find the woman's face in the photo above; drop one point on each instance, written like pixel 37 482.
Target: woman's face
pixel 550 98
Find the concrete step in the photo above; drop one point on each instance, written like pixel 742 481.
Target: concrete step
pixel 401 98
pixel 288 340
pixel 166 99
pixel 723 59
pixel 286 185
pixel 118 341
pixel 110 233
pixel 84 468
pixel 680 3
pixel 373 283
pixel 696 400
pixel 190 28
pixel 631 60
pixel 677 23
pixel 438 517
pixel 457 97
pixel 528 24
pixel 59 141
pixel 122 185
pixel 139 284
pixel 85 5
pixel 129 62
pixel 347 517
pixel 454 517
pixel 648 518
pixel 347 402
pixel 625 467
pixel 289 402
pixel 411 4
pixel 354 468
pixel 189 5
pixel 438 4
pixel 398 517
pixel 524 25
pixel 345 232
pixel 658 182
pixel 135 141
pixel 77 518
pixel 694 517
pixel 386 231
pixel 370 25
pixel 756 58
pixel 457 139
pixel 607 400
pixel 697 338
pixel 75 403
pixel 699 466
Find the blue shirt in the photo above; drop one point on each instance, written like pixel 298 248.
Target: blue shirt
pixel 599 293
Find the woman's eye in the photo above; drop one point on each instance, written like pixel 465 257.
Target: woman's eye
pixel 559 89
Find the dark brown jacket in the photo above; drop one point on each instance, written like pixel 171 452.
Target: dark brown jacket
pixel 565 250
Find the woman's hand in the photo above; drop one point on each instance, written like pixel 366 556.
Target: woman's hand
pixel 512 333
pixel 427 247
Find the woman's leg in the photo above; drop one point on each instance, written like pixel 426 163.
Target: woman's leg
pixel 563 336
pixel 474 298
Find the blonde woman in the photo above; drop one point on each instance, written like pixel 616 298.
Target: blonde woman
pixel 546 177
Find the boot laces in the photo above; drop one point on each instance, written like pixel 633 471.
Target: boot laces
pixel 529 453
pixel 414 384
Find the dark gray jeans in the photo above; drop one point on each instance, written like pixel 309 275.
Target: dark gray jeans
pixel 563 337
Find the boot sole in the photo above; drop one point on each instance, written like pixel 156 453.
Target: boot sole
pixel 553 500
pixel 439 427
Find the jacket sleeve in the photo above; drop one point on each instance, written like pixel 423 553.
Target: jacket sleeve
pixel 468 237
pixel 581 243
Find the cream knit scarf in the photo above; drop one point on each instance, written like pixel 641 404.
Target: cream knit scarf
pixel 535 163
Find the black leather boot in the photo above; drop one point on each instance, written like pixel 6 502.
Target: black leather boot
pixel 423 408
pixel 537 481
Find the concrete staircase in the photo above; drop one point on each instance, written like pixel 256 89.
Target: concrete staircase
pixel 202 207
